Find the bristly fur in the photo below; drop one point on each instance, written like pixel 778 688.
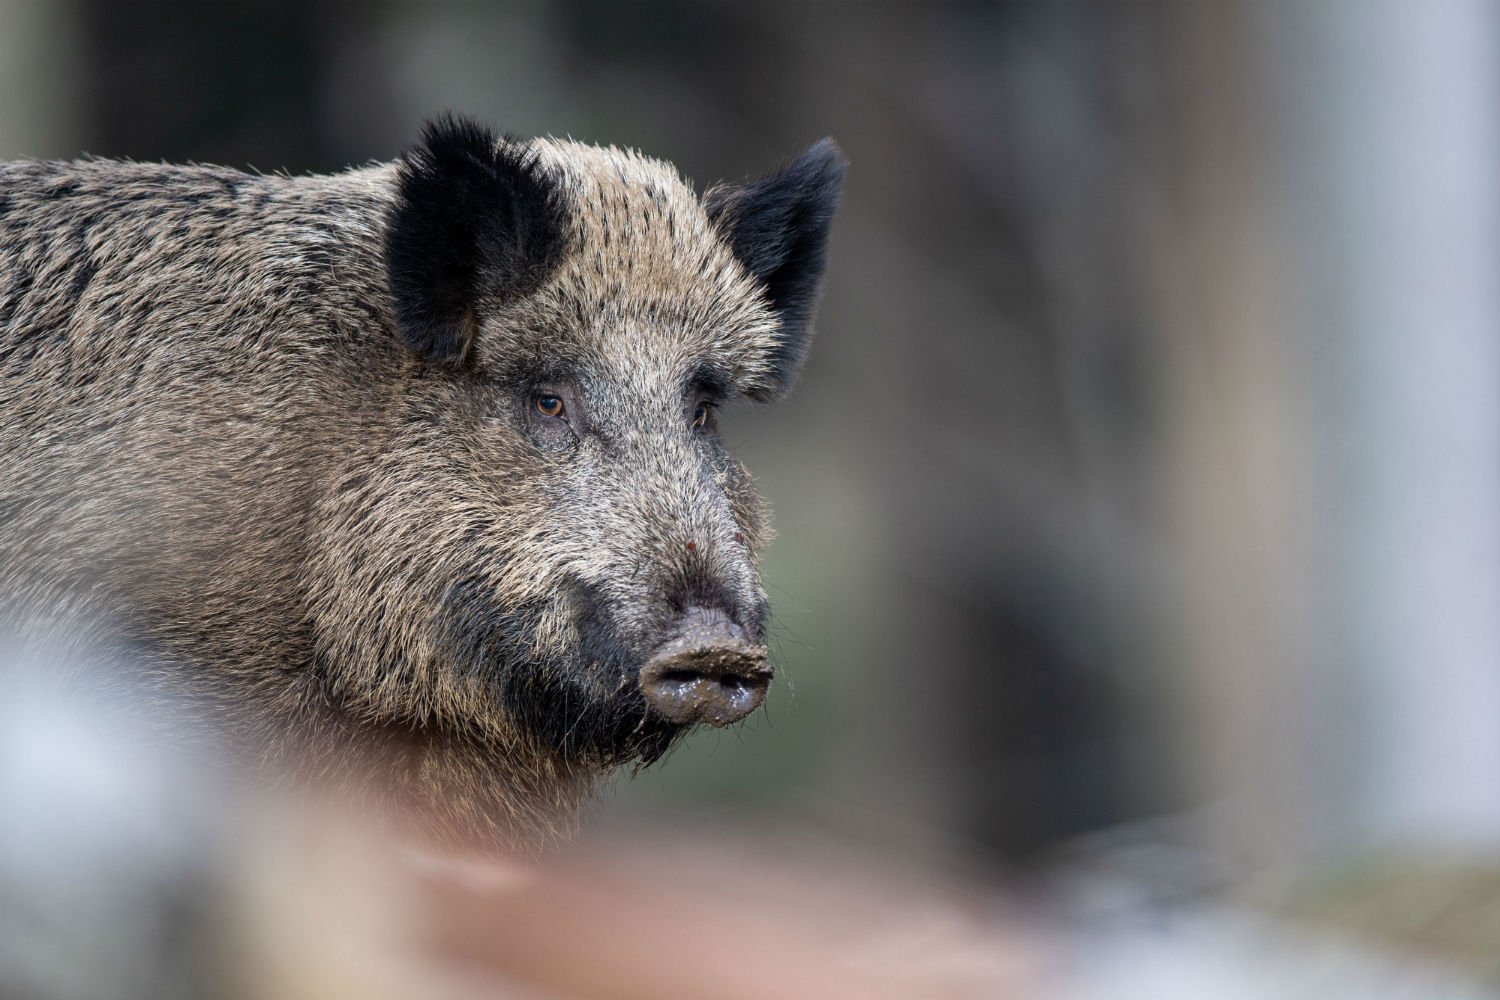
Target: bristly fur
pixel 277 437
pixel 778 228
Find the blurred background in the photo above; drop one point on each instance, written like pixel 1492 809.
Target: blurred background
pixel 1139 508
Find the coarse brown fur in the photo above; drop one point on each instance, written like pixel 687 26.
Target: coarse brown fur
pixel 244 443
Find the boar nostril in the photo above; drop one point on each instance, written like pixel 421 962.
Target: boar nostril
pixel 709 672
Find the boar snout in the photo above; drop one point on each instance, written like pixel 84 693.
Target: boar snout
pixel 707 672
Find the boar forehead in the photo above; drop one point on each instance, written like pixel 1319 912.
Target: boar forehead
pixel 648 295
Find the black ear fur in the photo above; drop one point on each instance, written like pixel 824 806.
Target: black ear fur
pixel 476 221
pixel 778 229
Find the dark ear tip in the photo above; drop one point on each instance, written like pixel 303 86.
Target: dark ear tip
pixel 827 150
pixel 823 162
pixel 450 123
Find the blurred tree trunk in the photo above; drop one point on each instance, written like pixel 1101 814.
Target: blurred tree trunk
pixel 39 64
pixel 1237 483
pixel 1389 116
pixel 1328 277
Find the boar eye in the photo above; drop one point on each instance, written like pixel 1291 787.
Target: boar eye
pixel 701 414
pixel 549 406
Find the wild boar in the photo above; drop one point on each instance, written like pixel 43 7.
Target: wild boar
pixel 415 463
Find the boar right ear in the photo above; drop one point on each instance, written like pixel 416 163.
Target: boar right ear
pixel 778 229
pixel 476 222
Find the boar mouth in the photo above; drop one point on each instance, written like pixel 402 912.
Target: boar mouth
pixel 596 704
pixel 708 673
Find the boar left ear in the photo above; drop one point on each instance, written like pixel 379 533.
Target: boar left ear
pixel 778 229
pixel 476 222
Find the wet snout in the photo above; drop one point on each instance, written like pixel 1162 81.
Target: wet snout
pixel 708 672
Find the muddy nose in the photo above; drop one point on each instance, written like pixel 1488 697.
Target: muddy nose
pixel 708 672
